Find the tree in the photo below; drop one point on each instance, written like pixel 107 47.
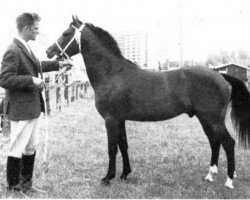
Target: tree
pixel 224 57
pixel 243 54
pixel 212 59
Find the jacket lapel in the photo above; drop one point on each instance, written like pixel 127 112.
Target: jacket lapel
pixel 39 67
pixel 26 52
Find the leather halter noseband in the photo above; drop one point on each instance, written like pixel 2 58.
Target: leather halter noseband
pixel 77 37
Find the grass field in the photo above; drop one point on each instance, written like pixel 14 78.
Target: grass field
pixel 169 159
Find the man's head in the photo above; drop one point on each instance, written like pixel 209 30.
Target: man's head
pixel 27 25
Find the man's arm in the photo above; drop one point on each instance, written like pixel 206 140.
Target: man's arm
pixel 55 65
pixel 48 66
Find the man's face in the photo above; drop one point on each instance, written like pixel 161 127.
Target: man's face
pixel 32 31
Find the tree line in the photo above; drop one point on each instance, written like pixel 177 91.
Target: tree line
pixel 222 57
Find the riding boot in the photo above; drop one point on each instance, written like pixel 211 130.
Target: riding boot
pixel 27 171
pixel 13 173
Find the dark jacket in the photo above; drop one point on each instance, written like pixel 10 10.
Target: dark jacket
pixel 23 100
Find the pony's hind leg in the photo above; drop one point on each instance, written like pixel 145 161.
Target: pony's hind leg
pixel 123 146
pixel 215 147
pixel 228 144
pixel 221 133
pixel 213 169
pixel 218 134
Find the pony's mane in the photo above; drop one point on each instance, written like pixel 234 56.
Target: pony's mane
pixel 106 39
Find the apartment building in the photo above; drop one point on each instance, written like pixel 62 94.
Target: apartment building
pixel 134 47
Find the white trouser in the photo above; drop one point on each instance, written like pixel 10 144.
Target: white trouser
pixel 23 137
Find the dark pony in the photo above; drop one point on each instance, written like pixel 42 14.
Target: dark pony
pixel 123 92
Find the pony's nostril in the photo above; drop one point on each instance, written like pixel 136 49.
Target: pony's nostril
pixel 49 54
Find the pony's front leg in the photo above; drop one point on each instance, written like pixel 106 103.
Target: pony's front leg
pixel 123 145
pixel 112 126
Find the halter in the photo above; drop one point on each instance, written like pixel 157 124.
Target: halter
pixel 77 37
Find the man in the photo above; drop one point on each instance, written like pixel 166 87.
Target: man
pixel 23 100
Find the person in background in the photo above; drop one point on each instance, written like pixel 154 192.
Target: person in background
pixel 23 100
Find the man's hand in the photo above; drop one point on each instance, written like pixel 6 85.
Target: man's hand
pixel 39 82
pixel 65 63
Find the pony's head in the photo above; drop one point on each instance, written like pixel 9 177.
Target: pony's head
pixel 69 43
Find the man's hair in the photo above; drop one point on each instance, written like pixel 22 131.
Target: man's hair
pixel 26 19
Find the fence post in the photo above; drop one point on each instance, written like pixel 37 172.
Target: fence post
pixel 81 91
pixel 1 122
pixel 77 91
pixel 73 93
pixel 58 98
pixel 66 94
pixel 47 99
pixel 86 87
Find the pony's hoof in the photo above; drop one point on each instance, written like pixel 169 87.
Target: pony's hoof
pixel 105 182
pixel 229 183
pixel 213 169
pixel 209 177
pixel 123 176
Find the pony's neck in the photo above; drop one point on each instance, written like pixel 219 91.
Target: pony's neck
pixel 102 56
pixel 101 64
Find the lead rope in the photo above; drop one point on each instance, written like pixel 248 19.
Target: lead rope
pixel 45 153
pixel 77 37
pixel 46 123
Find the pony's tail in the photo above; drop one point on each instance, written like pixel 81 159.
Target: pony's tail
pixel 240 114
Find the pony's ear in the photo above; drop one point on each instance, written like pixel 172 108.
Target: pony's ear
pixel 78 20
pixel 74 19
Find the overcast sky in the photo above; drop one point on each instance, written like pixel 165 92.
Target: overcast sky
pixel 208 26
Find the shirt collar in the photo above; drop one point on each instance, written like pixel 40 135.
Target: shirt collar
pixel 24 43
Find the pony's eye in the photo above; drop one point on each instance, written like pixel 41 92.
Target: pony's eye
pixel 66 33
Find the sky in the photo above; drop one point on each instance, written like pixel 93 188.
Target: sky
pixel 202 27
